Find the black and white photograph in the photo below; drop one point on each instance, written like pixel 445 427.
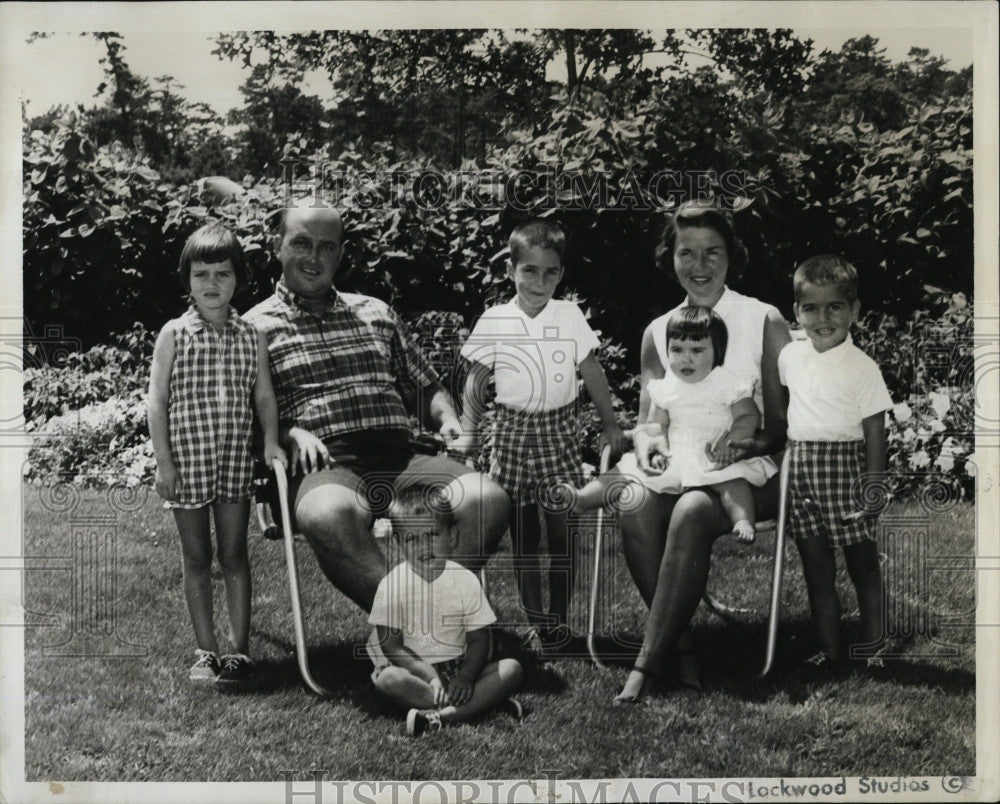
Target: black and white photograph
pixel 354 360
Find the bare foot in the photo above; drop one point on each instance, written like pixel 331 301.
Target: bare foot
pixel 743 531
pixel 635 688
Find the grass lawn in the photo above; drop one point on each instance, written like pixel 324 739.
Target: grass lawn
pixel 124 710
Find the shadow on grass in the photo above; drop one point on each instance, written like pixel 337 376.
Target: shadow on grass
pixel 732 655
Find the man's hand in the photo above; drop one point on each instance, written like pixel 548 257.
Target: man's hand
pixel 168 481
pixel 460 690
pixel 440 695
pixel 307 453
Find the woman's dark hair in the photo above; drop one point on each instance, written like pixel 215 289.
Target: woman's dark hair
pixel 694 214
pixel 212 243
pixel 695 323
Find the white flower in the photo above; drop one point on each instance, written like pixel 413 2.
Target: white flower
pixel 382 529
pixel 936 426
pixel 920 460
pixel 902 412
pixel 909 434
pixel 940 402
pixel 945 462
pixel 959 300
pixel 970 465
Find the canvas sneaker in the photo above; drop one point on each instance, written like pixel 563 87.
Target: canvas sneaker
pixel 236 668
pixel 418 722
pixel 513 707
pixel 206 667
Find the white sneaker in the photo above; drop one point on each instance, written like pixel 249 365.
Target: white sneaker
pixel 418 722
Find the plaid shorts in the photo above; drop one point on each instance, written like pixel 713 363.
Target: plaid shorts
pixel 534 451
pixel 822 491
pixel 446 670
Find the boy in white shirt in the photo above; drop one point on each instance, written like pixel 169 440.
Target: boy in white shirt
pixel 533 347
pixel 431 642
pixel 836 434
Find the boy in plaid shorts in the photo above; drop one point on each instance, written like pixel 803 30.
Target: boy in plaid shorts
pixel 431 641
pixel 533 347
pixel 836 434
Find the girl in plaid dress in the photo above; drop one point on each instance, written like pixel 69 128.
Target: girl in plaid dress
pixel 207 365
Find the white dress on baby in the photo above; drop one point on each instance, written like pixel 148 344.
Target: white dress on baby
pixel 699 413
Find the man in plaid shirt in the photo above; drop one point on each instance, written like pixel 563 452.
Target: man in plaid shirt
pixel 345 374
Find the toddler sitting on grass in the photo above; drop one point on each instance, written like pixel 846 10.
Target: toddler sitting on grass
pixel 431 643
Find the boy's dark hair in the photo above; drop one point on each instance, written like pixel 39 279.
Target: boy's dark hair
pixel 419 502
pixel 701 213
pixel 212 243
pixel 537 233
pixel 695 323
pixel 827 269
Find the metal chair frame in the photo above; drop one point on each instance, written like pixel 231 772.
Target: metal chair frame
pixel 713 604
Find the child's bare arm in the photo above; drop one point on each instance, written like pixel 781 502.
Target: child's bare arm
pixel 266 405
pixel 597 386
pixel 746 420
pixel 477 653
pixel 873 428
pixel 158 415
pixel 391 642
pixel 474 404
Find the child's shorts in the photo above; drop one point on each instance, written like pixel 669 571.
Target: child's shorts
pixel 534 451
pixel 823 489
pixel 446 670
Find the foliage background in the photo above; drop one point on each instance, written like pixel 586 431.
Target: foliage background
pixel 837 151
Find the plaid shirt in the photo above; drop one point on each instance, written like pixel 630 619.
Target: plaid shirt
pixel 344 369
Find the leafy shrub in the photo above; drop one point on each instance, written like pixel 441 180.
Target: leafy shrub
pixel 928 364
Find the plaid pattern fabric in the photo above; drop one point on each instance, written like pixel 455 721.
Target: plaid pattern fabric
pixel 348 368
pixel 447 670
pixel 821 476
pixel 211 385
pixel 533 451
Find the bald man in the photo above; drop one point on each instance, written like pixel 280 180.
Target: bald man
pixel 346 377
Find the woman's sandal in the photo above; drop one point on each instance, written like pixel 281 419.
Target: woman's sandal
pixel 636 697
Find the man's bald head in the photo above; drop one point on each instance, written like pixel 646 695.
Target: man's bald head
pixel 303 212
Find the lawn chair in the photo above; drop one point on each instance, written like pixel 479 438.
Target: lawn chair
pixel 284 531
pixel 712 603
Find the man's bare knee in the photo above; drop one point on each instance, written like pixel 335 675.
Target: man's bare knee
pixel 330 512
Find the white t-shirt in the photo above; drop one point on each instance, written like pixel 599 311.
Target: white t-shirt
pixel 744 318
pixel 533 360
pixel 434 617
pixel 830 392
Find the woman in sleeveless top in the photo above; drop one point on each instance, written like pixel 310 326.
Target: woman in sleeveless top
pixel 668 538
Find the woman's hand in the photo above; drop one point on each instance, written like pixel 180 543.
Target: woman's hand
pixel 742 448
